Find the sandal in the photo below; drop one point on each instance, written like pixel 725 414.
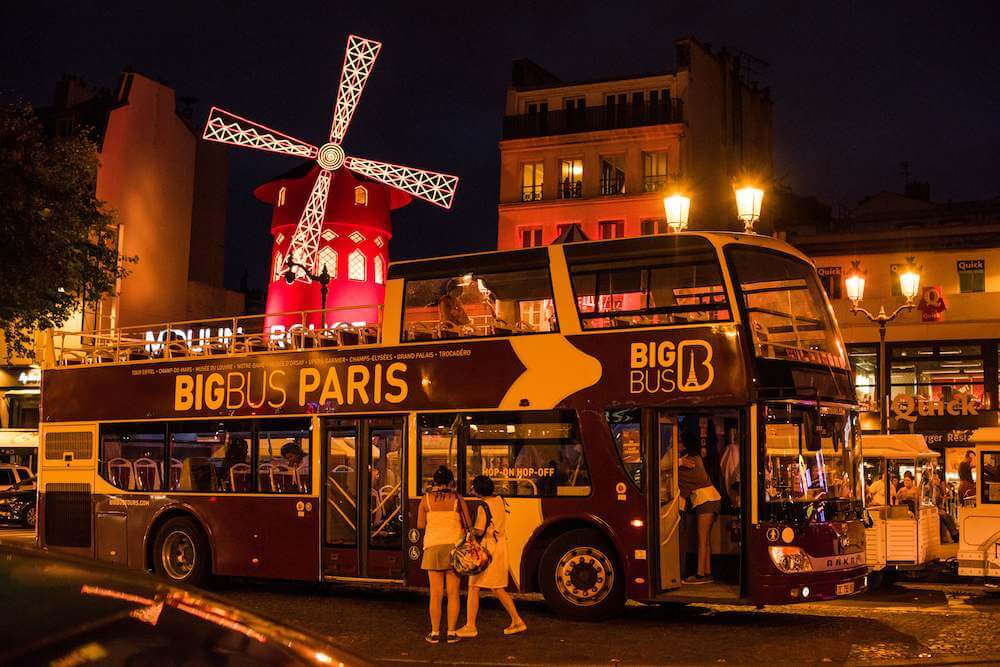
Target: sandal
pixel 433 637
pixel 467 632
pixel 515 628
pixel 453 638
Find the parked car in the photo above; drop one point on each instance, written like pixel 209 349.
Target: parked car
pixel 20 502
pixel 78 612
pixel 11 474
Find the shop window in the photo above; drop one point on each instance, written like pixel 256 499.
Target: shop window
pixel 356 265
pixel 131 456
pixel 532 176
pixel 472 304
pixel 655 290
pixel 654 171
pixel 972 275
pixel 864 363
pixel 570 179
pixel 210 457
pixel 437 442
pixel 654 226
pixel 832 280
pixel 531 237
pixel 527 454
pixel 613 175
pixel 378 268
pixel 283 463
pixel 940 372
pixel 22 409
pixel 626 431
pixel 612 229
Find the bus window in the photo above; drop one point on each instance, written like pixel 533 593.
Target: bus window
pixel 527 454
pixel 991 479
pixel 493 304
pixel 651 290
pixel 210 457
pixel 131 456
pixel 788 314
pixel 626 430
pixel 438 446
pixel 283 456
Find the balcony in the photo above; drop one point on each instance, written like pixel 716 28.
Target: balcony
pixel 591 119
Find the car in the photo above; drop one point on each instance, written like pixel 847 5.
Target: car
pixel 81 612
pixel 11 474
pixel 20 503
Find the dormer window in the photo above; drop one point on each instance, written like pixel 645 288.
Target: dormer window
pixel 361 196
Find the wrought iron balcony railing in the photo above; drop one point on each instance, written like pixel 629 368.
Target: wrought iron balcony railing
pixel 589 119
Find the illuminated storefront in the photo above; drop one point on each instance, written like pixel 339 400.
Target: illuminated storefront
pixel 20 393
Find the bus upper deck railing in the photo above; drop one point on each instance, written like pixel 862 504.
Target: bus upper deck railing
pixel 218 336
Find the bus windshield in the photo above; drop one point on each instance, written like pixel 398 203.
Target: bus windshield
pixel 809 456
pixel 787 312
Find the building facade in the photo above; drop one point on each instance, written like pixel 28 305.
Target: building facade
pixel 942 356
pixel 603 154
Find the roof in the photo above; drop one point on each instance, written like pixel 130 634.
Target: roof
pixel 990 434
pixel 897 446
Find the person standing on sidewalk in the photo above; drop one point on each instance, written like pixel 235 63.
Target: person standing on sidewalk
pixel 441 522
pixel 491 528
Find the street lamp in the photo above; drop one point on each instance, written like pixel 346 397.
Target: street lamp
pixel 909 286
pixel 677 207
pixel 748 201
pixel 293 269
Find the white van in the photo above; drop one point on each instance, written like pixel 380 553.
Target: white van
pixel 979 522
pixel 901 536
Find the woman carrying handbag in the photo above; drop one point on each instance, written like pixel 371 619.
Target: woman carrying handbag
pixel 491 528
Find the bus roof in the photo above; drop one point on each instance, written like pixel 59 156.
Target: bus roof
pixel 897 446
pixel 989 434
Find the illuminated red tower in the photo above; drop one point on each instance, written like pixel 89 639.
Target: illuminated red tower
pixel 324 215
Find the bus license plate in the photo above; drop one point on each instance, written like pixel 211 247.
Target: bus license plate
pixel 845 589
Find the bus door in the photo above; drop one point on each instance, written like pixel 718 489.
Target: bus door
pixel 664 497
pixel 363 493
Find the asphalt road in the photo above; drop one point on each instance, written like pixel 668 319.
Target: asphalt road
pixel 911 623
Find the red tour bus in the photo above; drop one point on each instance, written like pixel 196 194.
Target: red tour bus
pixel 570 374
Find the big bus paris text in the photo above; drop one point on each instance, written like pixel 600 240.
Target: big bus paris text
pixel 570 374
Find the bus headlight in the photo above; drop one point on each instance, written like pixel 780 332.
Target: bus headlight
pixel 790 559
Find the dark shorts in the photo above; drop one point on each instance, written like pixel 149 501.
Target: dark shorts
pixel 711 507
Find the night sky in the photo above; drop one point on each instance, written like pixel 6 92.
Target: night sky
pixel 859 87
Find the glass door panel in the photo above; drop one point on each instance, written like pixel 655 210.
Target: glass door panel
pixel 668 503
pixel 342 486
pixel 386 475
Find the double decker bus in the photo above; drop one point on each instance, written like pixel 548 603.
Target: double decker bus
pixel 570 374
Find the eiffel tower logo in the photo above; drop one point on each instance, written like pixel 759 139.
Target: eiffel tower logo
pixel 692 378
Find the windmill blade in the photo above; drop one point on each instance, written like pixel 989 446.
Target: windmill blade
pixel 438 189
pixel 358 63
pixel 305 240
pixel 228 128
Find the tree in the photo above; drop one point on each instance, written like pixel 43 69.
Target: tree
pixel 58 242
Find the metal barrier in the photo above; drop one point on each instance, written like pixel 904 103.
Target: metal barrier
pixel 213 337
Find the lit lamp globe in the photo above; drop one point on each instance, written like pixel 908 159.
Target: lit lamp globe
pixel 748 201
pixel 909 280
pixel 855 283
pixel 676 207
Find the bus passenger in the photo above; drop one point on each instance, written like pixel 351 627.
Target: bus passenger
pixel 236 452
pixel 908 494
pixel 450 308
pixel 296 459
pixel 703 502
pixel 491 527
pixel 439 518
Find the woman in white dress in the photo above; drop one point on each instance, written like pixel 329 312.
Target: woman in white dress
pixel 491 528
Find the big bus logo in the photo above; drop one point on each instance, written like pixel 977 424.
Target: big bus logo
pixel 663 367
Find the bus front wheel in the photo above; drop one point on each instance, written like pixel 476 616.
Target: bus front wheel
pixel 181 552
pixel 580 576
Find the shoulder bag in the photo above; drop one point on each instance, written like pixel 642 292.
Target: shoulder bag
pixel 469 556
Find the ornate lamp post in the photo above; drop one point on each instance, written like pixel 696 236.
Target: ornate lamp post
pixel 294 270
pixel 909 286
pixel 748 201
pixel 676 207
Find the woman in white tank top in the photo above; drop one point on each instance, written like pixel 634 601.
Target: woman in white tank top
pixel 441 522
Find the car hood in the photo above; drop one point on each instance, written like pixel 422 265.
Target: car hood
pixel 83 612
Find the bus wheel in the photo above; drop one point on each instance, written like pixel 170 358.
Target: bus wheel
pixel 181 552
pixel 580 576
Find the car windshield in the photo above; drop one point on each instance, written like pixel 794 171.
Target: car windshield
pixel 810 455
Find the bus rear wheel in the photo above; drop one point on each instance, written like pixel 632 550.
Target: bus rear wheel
pixel 181 553
pixel 580 576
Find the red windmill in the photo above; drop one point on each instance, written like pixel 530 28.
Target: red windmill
pixel 344 226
